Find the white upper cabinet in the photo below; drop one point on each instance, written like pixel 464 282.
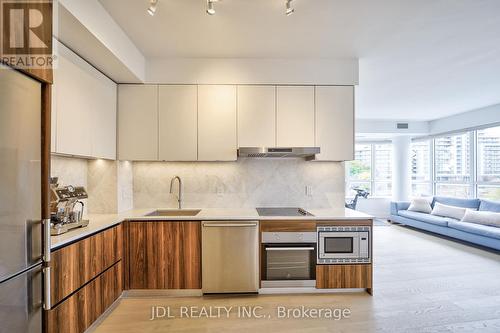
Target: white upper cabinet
pixel 335 123
pixel 257 116
pixel 84 109
pixel 138 122
pixel 103 123
pixel 74 114
pixel 178 132
pixel 209 122
pixel 217 123
pixel 295 116
pixel 53 118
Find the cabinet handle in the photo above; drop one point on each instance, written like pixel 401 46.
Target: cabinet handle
pixel 290 249
pixel 46 289
pixel 46 240
pixel 223 225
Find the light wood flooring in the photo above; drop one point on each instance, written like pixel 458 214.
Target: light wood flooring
pixel 422 283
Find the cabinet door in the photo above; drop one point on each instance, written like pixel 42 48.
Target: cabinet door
pixel 79 311
pixel 104 117
pixel 256 116
pixel 295 117
pixel 73 122
pixel 53 120
pixel 178 112
pixel 344 276
pixel 138 122
pixel 335 123
pixel 77 264
pixel 217 123
pixel 83 109
pixel 164 255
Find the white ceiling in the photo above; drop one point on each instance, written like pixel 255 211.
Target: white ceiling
pixel 419 59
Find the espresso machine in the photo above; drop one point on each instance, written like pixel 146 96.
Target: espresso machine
pixel 66 207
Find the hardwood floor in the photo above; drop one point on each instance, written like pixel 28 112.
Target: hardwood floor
pixel 422 283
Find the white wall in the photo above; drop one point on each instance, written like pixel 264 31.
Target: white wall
pixel 87 28
pixel 253 71
pixel 374 126
pixel 475 118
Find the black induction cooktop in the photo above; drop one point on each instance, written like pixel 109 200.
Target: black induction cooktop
pixel 283 211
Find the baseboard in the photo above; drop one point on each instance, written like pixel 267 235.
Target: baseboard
pixel 150 293
pixel 307 290
pixel 103 316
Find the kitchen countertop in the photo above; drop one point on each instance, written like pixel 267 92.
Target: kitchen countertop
pixel 100 222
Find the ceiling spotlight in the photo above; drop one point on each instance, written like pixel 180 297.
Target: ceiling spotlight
pixel 152 7
pixel 289 9
pixel 210 7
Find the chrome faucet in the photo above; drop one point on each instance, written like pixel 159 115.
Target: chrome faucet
pixel 179 195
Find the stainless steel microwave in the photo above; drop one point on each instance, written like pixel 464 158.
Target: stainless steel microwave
pixel 343 244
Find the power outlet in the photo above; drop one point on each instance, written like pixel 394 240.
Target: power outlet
pixel 309 191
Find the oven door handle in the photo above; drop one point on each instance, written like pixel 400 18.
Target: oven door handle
pixel 290 248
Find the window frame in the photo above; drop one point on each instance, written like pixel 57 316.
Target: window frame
pixel 473 184
pixel 430 183
pixel 372 181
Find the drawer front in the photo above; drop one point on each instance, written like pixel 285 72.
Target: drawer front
pixel 343 276
pixel 287 226
pixel 75 265
pixel 82 309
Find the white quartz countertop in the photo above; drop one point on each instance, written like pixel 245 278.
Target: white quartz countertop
pixel 100 222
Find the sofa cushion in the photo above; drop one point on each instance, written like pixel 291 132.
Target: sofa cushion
pixel 427 218
pixel 448 211
pixel 478 229
pixel 482 217
pixel 464 203
pixel 421 205
pixel 491 206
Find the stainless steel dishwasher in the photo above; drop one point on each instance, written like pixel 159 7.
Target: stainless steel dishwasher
pixel 230 257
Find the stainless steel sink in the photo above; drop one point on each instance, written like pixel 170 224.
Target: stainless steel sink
pixel 175 212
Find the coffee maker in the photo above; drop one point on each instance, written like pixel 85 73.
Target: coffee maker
pixel 66 207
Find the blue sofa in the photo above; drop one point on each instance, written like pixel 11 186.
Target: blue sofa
pixel 470 232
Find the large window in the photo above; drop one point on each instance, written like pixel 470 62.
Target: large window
pixel 421 168
pixel 453 165
pixel 371 169
pixel 488 163
pixel 464 165
pixel 360 170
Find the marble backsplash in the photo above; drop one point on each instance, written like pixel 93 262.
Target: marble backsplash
pixel 70 171
pixel 108 183
pixel 115 186
pixel 246 183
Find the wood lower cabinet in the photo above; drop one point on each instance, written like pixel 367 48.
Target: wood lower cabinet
pixel 344 276
pixel 79 311
pixel 288 226
pixel 164 255
pixel 75 265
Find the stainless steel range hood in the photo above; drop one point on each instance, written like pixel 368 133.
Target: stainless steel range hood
pixel 282 152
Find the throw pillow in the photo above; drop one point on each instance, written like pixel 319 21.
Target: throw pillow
pixel 448 211
pixel 482 217
pixel 421 205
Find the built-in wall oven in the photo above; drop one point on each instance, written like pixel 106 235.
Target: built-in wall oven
pixel 344 244
pixel 288 259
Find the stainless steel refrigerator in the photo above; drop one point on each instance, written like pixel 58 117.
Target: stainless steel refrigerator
pixel 20 203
